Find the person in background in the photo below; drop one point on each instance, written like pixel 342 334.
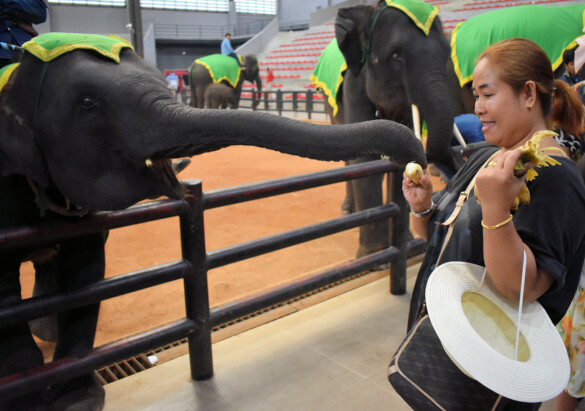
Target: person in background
pixel 227 49
pixel 515 93
pixel 570 76
pixel 172 83
pixel 16 24
pixel 269 80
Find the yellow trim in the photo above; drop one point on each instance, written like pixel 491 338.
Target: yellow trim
pixel 426 27
pixel 197 61
pixel 6 75
pixel 48 55
pixel 462 81
pixel 319 84
pixel 559 61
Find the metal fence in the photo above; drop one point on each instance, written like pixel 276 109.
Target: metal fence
pixel 208 32
pixel 306 101
pixel 195 264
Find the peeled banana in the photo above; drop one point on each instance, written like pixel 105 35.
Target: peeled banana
pixel 414 171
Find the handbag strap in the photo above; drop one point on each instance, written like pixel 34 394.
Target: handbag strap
pixel 458 206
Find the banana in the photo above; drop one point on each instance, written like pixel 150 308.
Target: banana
pixel 532 153
pixel 523 197
pixel 414 171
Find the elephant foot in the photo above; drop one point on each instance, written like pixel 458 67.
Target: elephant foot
pixel 45 328
pixel 84 393
pixel 434 171
pixel 364 250
pixel 34 401
pixel 347 207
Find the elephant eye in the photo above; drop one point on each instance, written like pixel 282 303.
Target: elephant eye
pixel 88 103
pixel 396 56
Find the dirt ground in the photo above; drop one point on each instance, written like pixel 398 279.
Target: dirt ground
pixel 158 242
pixel 136 247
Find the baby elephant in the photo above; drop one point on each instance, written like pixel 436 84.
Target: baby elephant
pixel 219 95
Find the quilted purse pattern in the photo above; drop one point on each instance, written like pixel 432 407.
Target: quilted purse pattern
pixel 422 373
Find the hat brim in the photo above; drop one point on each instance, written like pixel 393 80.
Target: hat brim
pixel 543 370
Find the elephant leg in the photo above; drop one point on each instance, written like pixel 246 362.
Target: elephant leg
pixel 347 207
pixel 199 97
pixel 18 350
pixel 368 193
pixel 45 283
pixel 81 262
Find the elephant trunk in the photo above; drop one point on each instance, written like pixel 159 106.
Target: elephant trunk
pixel 184 132
pixel 437 110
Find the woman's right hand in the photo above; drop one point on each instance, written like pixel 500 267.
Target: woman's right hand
pixel 418 195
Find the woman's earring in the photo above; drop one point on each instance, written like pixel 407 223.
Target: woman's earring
pixel 530 106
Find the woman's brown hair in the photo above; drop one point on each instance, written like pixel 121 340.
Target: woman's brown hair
pixel 522 60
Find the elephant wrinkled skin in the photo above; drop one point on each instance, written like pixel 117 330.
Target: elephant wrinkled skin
pixel 100 135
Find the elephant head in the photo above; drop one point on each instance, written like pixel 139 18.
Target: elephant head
pixel 400 63
pixel 252 74
pixel 101 132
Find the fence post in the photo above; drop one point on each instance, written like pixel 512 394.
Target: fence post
pixel 309 103
pixel 295 103
pixel 196 292
pixel 399 232
pixel 266 102
pixel 254 99
pixel 279 101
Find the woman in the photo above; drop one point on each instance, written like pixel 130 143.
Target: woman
pixel 513 86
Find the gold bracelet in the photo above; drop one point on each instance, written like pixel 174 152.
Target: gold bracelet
pixel 493 227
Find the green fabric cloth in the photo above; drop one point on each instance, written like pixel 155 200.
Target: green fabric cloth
pixel 553 28
pixel 328 73
pixel 221 67
pixel 5 73
pixel 49 46
pixel 421 13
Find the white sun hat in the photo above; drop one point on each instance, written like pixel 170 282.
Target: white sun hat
pixel 477 328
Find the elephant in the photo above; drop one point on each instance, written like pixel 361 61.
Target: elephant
pixel 533 22
pixel 99 135
pixel 392 63
pixel 220 95
pixel 218 68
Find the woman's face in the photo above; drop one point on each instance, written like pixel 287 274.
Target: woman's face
pixel 503 113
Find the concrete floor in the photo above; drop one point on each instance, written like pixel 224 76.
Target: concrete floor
pixel 330 356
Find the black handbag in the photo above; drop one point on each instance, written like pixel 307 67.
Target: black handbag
pixel 424 375
pixel 426 378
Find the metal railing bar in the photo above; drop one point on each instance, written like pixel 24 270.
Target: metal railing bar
pixel 248 192
pixel 416 247
pixel 59 370
pixel 254 248
pixel 40 306
pixel 257 302
pixel 100 221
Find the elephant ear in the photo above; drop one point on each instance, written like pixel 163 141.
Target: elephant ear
pixel 19 154
pixel 349 32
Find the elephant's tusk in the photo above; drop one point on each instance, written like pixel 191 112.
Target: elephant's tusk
pixel 148 162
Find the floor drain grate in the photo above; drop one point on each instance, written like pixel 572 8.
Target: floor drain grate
pixel 122 369
pixel 148 360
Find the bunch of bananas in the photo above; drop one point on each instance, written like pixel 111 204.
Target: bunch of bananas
pixel 531 153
